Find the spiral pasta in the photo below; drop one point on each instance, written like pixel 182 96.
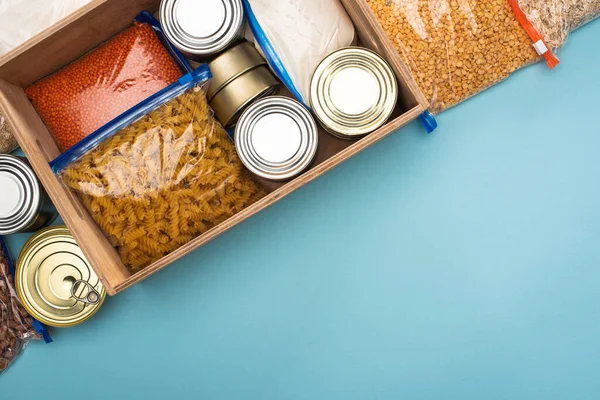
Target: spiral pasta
pixel 163 181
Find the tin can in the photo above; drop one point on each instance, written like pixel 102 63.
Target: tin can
pixel 201 29
pixel 231 64
pixel 353 92
pixel 277 138
pixel 237 95
pixel 54 280
pixel 24 205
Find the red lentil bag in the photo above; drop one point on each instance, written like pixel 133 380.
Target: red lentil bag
pixel 92 91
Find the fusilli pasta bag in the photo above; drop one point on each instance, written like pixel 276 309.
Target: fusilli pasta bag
pixel 162 181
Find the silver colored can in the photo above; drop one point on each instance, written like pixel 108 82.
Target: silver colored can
pixel 24 205
pixel 201 29
pixel 353 92
pixel 277 138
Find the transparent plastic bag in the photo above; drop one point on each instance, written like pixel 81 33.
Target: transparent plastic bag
pixel 555 19
pixel 20 20
pixel 580 12
pixel 455 48
pixel 296 35
pixel 92 91
pixel 7 141
pixel 548 17
pixel 16 329
pixel 162 177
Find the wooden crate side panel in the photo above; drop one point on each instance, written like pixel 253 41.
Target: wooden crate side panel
pixel 38 145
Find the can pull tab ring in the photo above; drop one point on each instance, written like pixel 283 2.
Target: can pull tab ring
pixel 92 297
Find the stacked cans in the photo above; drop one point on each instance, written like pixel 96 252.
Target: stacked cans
pixel 240 77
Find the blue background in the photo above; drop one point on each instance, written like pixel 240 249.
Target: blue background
pixel 461 265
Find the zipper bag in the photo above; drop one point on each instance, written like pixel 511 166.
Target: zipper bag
pixel 160 175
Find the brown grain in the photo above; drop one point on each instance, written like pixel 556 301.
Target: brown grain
pixel 7 140
pixel 456 48
pixel 15 323
pixel 555 19
pixel 97 88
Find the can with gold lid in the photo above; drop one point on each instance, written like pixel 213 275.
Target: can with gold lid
pixel 239 94
pixel 202 29
pixel 24 204
pixel 55 282
pixel 240 77
pixel 353 92
pixel 231 64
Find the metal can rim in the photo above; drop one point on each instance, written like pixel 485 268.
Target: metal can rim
pixel 306 153
pixel 234 18
pixel 352 126
pixel 63 231
pixel 249 62
pixel 29 209
pixel 237 95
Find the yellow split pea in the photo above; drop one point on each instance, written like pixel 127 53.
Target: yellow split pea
pixel 455 48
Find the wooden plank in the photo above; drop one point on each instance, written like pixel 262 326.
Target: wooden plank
pixel 69 39
pixel 38 145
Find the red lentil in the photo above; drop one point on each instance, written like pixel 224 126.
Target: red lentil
pixel 100 86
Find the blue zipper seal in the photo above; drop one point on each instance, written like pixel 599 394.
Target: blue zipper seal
pixel 37 325
pixel 201 75
pixel 273 59
pixel 428 121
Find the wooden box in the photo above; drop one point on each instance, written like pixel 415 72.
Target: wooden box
pixel 98 21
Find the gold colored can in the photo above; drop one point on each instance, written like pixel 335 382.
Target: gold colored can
pixel 354 92
pixel 232 64
pixel 235 97
pixel 55 282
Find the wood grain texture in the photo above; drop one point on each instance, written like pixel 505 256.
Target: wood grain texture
pixel 89 27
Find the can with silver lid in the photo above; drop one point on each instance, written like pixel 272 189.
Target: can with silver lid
pixel 353 92
pixel 24 205
pixel 201 29
pixel 54 280
pixel 277 138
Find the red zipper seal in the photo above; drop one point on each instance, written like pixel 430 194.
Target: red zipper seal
pixel 539 44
